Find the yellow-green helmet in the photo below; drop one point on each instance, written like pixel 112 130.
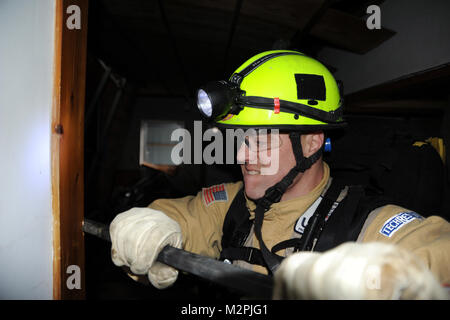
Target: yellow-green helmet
pixel 281 89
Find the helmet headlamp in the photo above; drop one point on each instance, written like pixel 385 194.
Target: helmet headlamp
pixel 312 82
pixel 216 99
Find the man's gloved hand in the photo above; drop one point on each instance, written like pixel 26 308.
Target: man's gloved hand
pixel 137 236
pixel 356 271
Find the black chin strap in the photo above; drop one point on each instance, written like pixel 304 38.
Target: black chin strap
pixel 274 194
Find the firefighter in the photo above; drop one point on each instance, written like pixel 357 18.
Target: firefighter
pixel 290 101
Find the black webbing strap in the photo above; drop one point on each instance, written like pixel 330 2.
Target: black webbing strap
pixel 294 242
pixel 236 225
pixel 294 108
pixel 247 254
pixel 238 222
pixel 236 229
pixel 274 194
pixel 302 163
pixel 349 216
pixel 237 78
pixel 272 261
pixel 317 221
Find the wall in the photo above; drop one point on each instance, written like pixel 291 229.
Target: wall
pixel 26 86
pixel 421 42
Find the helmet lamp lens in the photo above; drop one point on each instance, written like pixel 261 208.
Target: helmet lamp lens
pixel 204 103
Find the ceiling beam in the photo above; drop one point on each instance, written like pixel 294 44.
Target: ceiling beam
pixel 176 52
pixel 291 13
pixel 130 43
pixel 301 34
pixel 415 84
pixel 334 27
pixel 234 22
pixel 419 92
pixel 403 105
pixel 348 32
pixel 398 106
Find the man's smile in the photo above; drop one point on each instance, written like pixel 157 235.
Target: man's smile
pixel 251 171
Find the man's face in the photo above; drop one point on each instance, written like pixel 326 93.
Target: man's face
pixel 265 159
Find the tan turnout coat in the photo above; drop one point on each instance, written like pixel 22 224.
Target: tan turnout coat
pixel 201 219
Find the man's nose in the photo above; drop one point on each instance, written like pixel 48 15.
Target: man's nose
pixel 244 155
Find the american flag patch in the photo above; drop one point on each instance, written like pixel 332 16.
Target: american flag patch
pixel 214 193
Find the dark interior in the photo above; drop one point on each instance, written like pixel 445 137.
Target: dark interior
pixel 147 57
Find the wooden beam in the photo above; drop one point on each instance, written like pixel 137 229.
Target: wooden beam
pixel 236 13
pixel 120 32
pixel 348 32
pixel 356 8
pixel 296 18
pixel 302 33
pixel 68 149
pixel 400 107
pixel 423 92
pixel 55 148
pixel 292 13
pixel 176 51
pixel 336 28
pixel 429 83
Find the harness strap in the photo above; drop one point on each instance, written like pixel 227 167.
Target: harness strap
pixel 350 216
pixel 317 221
pixel 297 108
pixel 237 224
pixel 343 225
pixel 272 260
pixel 247 254
pixel 294 242
pixel 272 195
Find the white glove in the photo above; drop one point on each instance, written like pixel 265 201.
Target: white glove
pixel 137 236
pixel 356 271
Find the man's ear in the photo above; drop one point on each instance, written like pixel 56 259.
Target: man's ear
pixel 311 142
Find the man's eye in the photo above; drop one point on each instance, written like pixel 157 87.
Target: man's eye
pixel 261 143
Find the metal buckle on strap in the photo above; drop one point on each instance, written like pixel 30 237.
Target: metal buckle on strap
pixel 236 79
pixel 249 254
pixel 273 195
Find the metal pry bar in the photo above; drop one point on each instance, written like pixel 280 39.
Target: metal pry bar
pixel 245 281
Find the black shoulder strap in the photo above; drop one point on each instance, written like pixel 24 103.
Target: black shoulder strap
pixel 247 254
pixel 346 222
pixel 322 233
pixel 316 223
pixel 236 229
pixel 236 225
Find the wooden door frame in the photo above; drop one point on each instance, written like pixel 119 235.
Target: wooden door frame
pixel 67 148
